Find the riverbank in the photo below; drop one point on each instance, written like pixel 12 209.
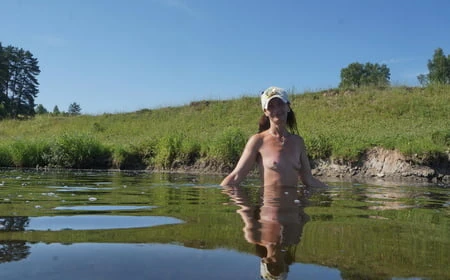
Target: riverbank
pixel 399 132
pixel 379 164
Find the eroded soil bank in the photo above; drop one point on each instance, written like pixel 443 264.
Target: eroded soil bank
pixel 388 165
pixel 378 165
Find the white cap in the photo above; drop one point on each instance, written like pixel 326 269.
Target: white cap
pixel 271 93
pixel 266 274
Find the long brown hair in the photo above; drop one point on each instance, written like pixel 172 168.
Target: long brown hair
pixel 291 122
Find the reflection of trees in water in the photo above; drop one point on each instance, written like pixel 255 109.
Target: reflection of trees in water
pixel 14 223
pixel 13 250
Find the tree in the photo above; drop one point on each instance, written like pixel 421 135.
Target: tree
pixel 19 84
pixel 3 70
pixel 351 76
pixel 439 68
pixel 356 75
pixel 423 80
pixel 41 110
pixel 3 83
pixel 56 110
pixel 74 109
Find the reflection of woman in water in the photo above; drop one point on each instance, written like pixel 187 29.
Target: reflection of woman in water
pixel 274 226
pixel 280 153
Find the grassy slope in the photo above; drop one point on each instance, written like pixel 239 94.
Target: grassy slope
pixel 415 121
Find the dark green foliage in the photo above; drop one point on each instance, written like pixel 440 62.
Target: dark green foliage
pixel 439 69
pixel 168 150
pixel 227 147
pixel 41 110
pixel 19 84
pixel 29 154
pixel 3 75
pixel 79 151
pixel 128 157
pixel 441 137
pixel 5 156
pixel 423 80
pixel 318 147
pixel 356 75
pixel 74 109
pixel 56 111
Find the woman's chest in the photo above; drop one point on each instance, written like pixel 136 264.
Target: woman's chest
pixel 284 157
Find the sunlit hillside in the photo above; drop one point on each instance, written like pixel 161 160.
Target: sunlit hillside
pixel 337 124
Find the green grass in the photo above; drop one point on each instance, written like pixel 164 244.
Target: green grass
pixel 343 125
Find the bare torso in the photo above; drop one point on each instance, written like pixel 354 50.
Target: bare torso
pixel 279 163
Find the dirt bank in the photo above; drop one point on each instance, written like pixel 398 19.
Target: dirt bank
pixel 378 165
pixel 389 165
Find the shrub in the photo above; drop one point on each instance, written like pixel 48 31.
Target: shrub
pixel 167 150
pixel 228 146
pixel 318 147
pixel 29 153
pixel 441 138
pixel 128 157
pixel 79 151
pixel 190 152
pixel 5 156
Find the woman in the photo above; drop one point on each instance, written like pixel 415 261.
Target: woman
pixel 280 154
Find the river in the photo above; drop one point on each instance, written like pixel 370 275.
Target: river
pixel 142 225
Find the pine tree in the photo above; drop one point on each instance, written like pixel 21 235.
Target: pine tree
pixel 22 84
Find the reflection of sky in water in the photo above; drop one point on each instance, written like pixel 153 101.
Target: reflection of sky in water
pixel 93 222
pixel 145 261
pixel 103 208
pixel 74 189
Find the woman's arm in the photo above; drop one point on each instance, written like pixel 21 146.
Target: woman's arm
pixel 245 163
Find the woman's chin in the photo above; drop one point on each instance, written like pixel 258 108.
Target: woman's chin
pixel 278 121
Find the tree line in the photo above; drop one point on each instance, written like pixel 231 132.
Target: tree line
pixel 357 75
pixel 19 85
pixel 18 82
pixel 73 110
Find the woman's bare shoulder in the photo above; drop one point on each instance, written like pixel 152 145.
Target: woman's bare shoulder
pixel 256 139
pixel 258 136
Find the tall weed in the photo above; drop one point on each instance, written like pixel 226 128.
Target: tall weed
pixel 79 151
pixel 5 156
pixel 29 153
pixel 167 150
pixel 318 146
pixel 228 146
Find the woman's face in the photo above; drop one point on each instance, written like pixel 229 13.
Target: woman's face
pixel 277 110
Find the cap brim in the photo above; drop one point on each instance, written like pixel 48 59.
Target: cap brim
pixel 272 97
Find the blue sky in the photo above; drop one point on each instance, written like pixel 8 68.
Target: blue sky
pixel 113 56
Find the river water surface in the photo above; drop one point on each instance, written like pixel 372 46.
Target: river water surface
pixel 118 225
